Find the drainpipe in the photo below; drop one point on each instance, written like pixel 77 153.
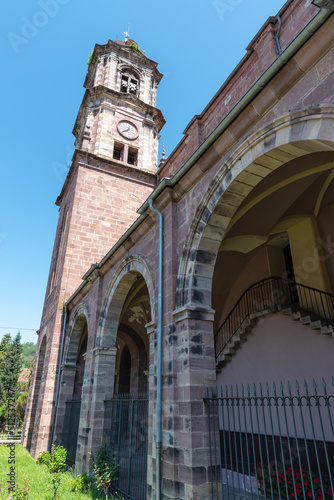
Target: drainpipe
pixel 277 35
pixel 159 355
pixel 58 377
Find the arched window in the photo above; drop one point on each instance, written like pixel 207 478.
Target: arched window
pixel 129 83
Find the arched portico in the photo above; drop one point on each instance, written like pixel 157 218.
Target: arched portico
pixel 290 137
pixel 127 310
pixel 67 430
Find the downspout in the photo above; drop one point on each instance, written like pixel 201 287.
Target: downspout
pixel 159 355
pixel 58 377
pixel 277 35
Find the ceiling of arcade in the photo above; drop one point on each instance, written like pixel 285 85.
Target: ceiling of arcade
pixel 300 188
pixel 136 312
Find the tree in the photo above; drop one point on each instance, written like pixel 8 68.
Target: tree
pixel 10 367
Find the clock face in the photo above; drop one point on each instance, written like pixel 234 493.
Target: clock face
pixel 128 130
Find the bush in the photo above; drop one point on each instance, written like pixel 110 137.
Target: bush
pixel 105 466
pixel 55 463
pixel 82 483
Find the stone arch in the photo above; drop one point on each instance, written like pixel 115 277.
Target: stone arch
pixel 75 328
pixel 306 131
pixel 123 279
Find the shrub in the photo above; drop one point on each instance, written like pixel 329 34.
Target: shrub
pixel 82 483
pixel 55 463
pixel 105 466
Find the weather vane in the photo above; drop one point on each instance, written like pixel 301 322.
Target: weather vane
pixel 127 34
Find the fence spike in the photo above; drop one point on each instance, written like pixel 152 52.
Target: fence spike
pixel 314 384
pixel 324 385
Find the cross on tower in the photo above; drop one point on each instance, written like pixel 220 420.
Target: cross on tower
pixel 127 34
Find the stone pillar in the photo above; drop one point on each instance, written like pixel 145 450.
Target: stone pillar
pixel 98 386
pixel 191 365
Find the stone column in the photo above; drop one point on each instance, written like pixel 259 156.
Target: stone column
pixel 98 386
pixel 189 368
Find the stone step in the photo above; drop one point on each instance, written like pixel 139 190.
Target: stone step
pixel 316 325
pixel 228 350
pixel 223 358
pixel 307 319
pixel 295 316
pixel 287 311
pixel 327 329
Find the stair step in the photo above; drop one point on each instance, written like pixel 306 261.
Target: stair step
pixel 295 316
pixel 222 359
pixel 287 311
pixel 316 325
pixel 258 314
pixel 327 329
pixel 228 350
pixel 306 320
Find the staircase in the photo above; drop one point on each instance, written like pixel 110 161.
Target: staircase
pixel 305 304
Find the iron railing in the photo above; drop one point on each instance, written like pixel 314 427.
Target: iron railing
pixel 272 294
pixel 271 442
pixel 71 428
pixel 126 431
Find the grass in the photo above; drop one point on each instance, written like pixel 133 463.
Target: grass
pixel 38 477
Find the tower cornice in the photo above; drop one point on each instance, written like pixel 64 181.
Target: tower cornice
pixel 101 93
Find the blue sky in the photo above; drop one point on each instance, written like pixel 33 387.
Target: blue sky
pixel 45 46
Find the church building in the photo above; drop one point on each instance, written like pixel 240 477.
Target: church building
pixel 211 268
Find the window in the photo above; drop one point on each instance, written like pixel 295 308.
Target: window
pixel 129 83
pixel 132 156
pixel 118 151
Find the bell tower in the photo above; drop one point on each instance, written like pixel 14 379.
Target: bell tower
pixel 118 119
pixel 113 171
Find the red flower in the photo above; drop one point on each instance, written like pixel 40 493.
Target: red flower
pixel 320 492
pixel 305 483
pixel 298 486
pixel 310 494
pixel 292 495
pixel 317 480
pixel 330 494
pixel 298 493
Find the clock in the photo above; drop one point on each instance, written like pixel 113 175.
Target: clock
pixel 128 130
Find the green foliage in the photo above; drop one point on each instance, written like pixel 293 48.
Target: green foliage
pixel 28 354
pixel 22 493
pixel 90 58
pixel 82 483
pixel 10 367
pixel 133 45
pixel 105 466
pixel 44 458
pixel 55 462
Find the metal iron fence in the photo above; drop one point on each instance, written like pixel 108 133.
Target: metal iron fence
pixel 70 428
pixel 271 442
pixel 272 294
pixel 125 429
